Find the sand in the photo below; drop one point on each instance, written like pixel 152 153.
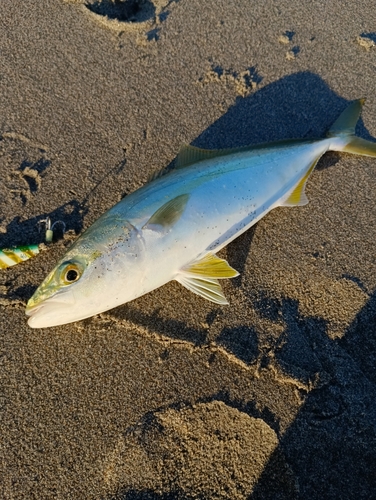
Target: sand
pixel 170 396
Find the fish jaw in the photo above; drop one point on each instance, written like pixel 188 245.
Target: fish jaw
pixel 51 311
pixel 65 306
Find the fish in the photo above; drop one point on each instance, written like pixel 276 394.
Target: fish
pixel 173 227
pixel 15 255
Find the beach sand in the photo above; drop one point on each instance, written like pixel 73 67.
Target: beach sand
pixel 170 396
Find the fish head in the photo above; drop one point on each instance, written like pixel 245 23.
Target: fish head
pixel 55 301
pixel 89 279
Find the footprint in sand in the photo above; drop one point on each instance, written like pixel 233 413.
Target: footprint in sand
pixel 208 450
pixel 128 11
pixel 21 177
pixel 124 15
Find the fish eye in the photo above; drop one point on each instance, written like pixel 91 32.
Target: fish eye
pixel 70 273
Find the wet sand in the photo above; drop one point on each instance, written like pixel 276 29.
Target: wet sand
pixel 170 396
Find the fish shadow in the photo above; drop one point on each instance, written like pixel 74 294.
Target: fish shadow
pixel 174 329
pixel 240 341
pixel 359 340
pixel 296 106
pixel 330 446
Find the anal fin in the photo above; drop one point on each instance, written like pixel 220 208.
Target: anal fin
pixel 298 197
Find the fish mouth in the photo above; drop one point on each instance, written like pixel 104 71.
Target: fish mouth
pixel 34 319
pixel 49 312
pixel 31 310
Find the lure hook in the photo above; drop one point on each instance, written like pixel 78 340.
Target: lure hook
pixel 49 228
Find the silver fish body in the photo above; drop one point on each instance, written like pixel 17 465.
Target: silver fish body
pixel 172 227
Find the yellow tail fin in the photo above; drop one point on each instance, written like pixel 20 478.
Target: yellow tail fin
pixel 345 125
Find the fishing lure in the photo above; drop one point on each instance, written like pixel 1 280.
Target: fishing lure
pixel 172 228
pixel 14 255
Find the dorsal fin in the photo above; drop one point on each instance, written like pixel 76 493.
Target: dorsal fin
pixel 156 174
pixel 190 154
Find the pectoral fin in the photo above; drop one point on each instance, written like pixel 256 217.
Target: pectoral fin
pixel 201 277
pixel 298 197
pixel 211 266
pixel 209 289
pixel 168 214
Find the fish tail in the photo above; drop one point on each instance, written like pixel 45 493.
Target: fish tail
pixel 343 129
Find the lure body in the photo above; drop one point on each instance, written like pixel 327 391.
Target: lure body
pixel 172 227
pixel 14 255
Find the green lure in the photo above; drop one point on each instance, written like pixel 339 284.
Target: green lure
pixel 12 256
